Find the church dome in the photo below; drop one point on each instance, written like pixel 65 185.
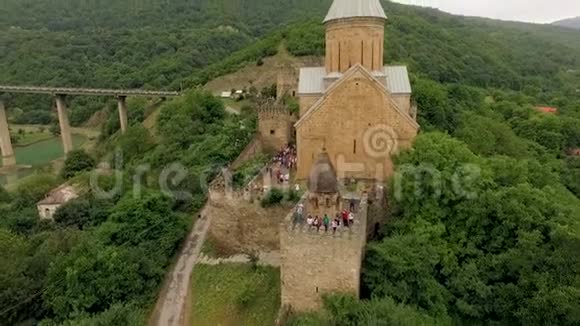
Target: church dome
pixel 323 176
pixel 341 9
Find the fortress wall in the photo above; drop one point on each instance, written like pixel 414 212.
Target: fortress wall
pixel 313 263
pixel 239 225
pixel 252 149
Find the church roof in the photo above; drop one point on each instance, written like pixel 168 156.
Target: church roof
pixel 398 80
pixel 312 80
pixel 355 8
pixel 323 176
pixel 374 77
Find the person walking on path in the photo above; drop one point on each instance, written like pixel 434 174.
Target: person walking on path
pixel 317 223
pixel 326 222
pixel 309 221
pixel 345 218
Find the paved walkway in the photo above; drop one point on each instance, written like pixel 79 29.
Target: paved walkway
pixel 172 302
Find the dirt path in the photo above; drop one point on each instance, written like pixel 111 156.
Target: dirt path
pixel 172 305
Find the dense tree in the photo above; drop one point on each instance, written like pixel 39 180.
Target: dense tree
pixel 348 310
pixel 4 195
pixel 15 286
pixel 487 137
pixel 77 161
pixel 82 213
pixel 38 117
pixel 92 277
pixel 118 314
pixel 147 219
pixel 482 251
pixel 32 189
pixel 136 141
pixel 571 175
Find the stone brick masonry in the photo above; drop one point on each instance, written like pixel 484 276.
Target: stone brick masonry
pixel 314 263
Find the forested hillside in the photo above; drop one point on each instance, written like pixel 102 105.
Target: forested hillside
pixel 506 253
pixel 161 44
pixel 570 22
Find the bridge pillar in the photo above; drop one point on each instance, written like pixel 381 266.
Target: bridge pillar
pixel 8 158
pixel 122 104
pixel 64 125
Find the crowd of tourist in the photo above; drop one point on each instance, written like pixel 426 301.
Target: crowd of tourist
pixel 326 223
pixel 286 157
pixel 284 161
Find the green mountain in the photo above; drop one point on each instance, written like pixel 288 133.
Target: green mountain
pixel 158 44
pixel 570 22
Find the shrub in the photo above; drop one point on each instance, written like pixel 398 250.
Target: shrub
pixel 4 195
pixel 81 213
pixel 273 197
pixel 77 161
pixel 54 129
pixel 35 117
pixel 32 189
pixel 292 196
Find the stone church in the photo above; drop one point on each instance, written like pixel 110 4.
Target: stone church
pixel 355 107
pixel 355 114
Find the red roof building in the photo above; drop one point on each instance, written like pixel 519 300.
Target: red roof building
pixel 546 109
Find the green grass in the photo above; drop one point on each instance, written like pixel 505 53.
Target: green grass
pixel 31 138
pixel 45 151
pixel 235 294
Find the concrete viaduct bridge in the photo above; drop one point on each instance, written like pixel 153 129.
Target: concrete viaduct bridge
pixel 60 93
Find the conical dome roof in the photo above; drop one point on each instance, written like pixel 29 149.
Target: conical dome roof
pixel 355 8
pixel 323 176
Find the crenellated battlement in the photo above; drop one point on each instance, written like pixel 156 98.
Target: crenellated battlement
pixel 272 110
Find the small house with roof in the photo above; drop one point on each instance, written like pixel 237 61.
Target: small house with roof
pixel 55 199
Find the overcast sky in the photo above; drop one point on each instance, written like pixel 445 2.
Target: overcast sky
pixel 536 11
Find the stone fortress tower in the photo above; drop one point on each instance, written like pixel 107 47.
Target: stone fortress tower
pixel 287 81
pixel 317 262
pixel 356 107
pixel 275 125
